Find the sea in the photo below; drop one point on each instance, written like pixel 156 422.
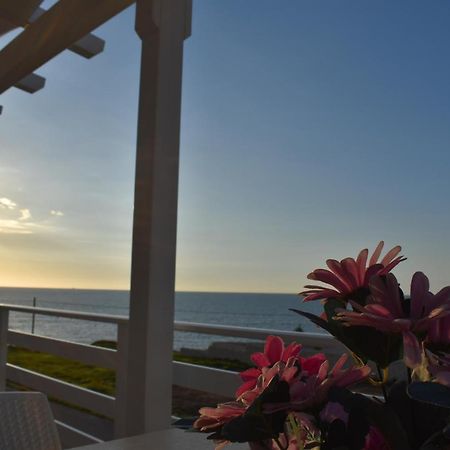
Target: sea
pixel 269 311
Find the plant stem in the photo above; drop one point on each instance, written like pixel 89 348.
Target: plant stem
pixel 383 387
pixel 409 373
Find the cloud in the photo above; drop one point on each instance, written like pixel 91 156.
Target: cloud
pixel 7 203
pixel 25 214
pixel 16 220
pixel 11 226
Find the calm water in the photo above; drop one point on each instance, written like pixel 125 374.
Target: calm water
pixel 248 310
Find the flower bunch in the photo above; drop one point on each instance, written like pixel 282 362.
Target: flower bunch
pixel 291 402
pixel 367 310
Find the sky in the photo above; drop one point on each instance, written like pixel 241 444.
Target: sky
pixel 310 130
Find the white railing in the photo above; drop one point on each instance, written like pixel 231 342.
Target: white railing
pixel 207 379
pixel 106 405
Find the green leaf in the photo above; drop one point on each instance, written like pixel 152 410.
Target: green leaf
pixel 314 319
pixel 368 343
pixel 387 421
pixel 431 393
pixel 420 420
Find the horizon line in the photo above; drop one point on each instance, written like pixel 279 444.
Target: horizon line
pixel 127 290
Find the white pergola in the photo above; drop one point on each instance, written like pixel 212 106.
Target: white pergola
pixel 162 26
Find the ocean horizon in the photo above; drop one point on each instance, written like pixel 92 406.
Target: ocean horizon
pixel 258 310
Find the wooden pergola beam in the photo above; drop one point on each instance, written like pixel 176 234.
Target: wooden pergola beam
pixel 17 12
pixel 60 27
pixel 88 46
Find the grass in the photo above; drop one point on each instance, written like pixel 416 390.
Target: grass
pixel 90 377
pixel 87 376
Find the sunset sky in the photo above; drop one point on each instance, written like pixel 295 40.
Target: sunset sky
pixel 309 130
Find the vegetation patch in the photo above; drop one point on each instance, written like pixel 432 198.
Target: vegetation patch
pixel 96 378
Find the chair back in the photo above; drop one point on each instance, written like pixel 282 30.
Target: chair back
pixel 26 422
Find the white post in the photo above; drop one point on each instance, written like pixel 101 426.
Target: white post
pixel 4 313
pixel 162 25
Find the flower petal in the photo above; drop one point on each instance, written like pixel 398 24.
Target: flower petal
pixel 412 353
pixel 361 262
pixel 338 270
pixel 442 297
pixel 250 374
pixel 351 271
pixel 339 364
pixel 371 272
pixel 376 254
pixel 329 278
pixel 419 294
pixel 316 295
pixel 391 265
pixel 293 349
pixel 390 255
pixel 274 348
pixel 247 386
pixel 260 359
pixel 352 376
pixel 313 363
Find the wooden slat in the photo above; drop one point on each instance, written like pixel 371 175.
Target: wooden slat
pixel 61 26
pixel 68 314
pixel 206 379
pixel 72 437
pixel 88 354
pixel 31 83
pixel 94 401
pixel 316 341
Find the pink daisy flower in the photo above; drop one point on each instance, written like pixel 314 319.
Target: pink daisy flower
pixel 386 312
pixel 275 351
pixel 307 391
pixel 349 275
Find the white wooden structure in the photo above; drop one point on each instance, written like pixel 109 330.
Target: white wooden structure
pixel 162 26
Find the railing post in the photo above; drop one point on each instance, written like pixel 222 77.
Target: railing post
pixel 120 414
pixel 33 317
pixel 4 314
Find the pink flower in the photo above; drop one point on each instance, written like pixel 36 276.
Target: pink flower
pixel 375 440
pixel 439 367
pixel 285 371
pixel 307 390
pixel 386 311
pixel 439 330
pixel 350 275
pixel 312 364
pixel 212 418
pixel 274 351
pixel 334 411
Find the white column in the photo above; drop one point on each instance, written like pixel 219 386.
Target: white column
pixel 162 25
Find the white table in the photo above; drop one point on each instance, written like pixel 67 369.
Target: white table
pixel 172 439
